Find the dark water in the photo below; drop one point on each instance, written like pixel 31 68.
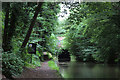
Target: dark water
pixel 89 70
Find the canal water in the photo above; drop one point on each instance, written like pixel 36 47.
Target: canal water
pixel 88 70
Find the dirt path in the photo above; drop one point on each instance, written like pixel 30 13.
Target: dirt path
pixel 40 72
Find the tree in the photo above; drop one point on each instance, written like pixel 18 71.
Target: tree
pixel 31 25
pixel 16 20
pixel 45 25
pixel 96 30
pixel 5 36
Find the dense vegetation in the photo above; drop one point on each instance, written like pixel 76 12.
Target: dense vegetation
pixel 92 33
pixel 18 22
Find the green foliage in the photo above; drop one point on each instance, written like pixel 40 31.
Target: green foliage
pixel 29 65
pixel 38 54
pixel 53 65
pixel 44 27
pixel 31 59
pixel 16 20
pixel 94 31
pixel 11 64
pixel 35 60
pixel 52 44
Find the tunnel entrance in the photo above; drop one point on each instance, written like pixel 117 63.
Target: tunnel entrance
pixel 64 56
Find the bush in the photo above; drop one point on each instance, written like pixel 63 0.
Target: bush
pixel 12 65
pixel 35 60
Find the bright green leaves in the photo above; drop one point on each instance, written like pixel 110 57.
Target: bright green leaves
pixel 53 65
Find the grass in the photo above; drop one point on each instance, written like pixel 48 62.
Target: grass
pixel 52 65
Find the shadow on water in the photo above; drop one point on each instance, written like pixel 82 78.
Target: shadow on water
pixel 88 70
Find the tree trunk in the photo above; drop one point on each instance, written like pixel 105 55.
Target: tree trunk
pixel 5 35
pixel 31 25
pixel 9 30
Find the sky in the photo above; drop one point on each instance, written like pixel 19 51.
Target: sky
pixel 63 16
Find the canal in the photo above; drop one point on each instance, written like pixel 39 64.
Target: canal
pixel 88 70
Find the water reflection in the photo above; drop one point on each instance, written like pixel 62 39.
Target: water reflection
pixel 89 70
